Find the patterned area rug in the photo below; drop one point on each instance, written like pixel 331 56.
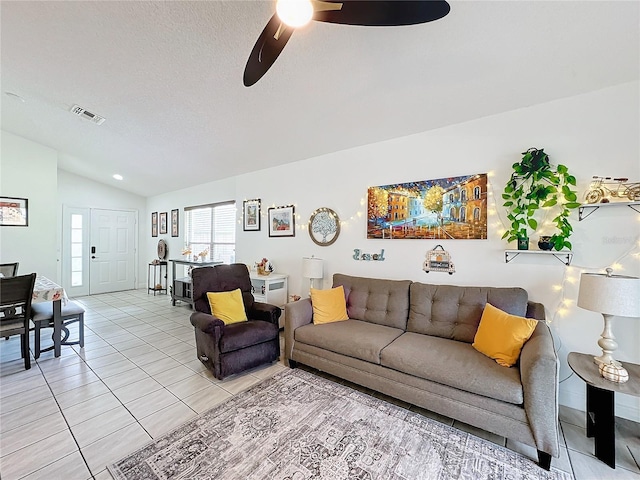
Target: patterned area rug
pixel 298 426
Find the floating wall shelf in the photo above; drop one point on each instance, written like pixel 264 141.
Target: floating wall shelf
pixel 588 208
pixel 564 256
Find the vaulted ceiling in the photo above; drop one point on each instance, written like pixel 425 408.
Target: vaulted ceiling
pixel 167 76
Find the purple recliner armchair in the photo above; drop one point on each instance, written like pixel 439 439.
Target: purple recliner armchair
pixel 229 349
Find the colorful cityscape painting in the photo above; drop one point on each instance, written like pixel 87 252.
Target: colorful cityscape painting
pixel 446 208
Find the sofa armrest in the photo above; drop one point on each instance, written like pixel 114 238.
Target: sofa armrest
pixel 265 311
pixel 205 322
pixel 539 370
pixel 296 315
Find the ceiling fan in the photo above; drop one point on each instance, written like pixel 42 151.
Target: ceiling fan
pixel 291 14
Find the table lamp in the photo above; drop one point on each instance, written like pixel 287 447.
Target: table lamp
pixel 312 269
pixel 609 295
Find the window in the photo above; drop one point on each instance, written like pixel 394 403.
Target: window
pixel 476 193
pixel 212 227
pixel 76 250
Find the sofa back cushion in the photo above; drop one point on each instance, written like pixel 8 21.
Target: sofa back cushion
pixel 385 302
pixel 454 312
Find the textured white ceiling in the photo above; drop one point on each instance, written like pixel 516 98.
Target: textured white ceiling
pixel 168 78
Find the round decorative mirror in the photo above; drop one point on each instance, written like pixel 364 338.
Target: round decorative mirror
pixel 324 226
pixel 162 249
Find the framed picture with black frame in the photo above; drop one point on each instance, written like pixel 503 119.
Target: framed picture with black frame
pixel 154 224
pixel 282 221
pixel 14 212
pixel 174 223
pixel 251 215
pixel 163 223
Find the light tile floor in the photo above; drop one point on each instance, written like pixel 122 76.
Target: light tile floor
pixel 137 377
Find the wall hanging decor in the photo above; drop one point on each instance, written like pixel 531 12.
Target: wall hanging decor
pixel 174 223
pixel 376 257
pixel 251 215
pixel 14 212
pixel 603 189
pixel 282 221
pixel 163 223
pixel 324 226
pixel 445 208
pixel 154 224
pixel 439 260
pixel 535 185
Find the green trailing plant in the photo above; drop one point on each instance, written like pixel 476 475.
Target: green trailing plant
pixel 536 184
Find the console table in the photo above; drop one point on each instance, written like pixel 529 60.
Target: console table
pixel 600 402
pixel 181 287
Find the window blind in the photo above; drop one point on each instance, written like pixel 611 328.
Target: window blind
pixel 212 227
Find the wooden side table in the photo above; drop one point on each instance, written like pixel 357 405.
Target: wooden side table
pixel 600 402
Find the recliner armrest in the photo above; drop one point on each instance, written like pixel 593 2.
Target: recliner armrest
pixel 265 311
pixel 205 322
pixel 539 370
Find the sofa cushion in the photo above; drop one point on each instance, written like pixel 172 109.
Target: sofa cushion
pixel 501 336
pixel 339 337
pixel 329 305
pixel 246 334
pixel 385 302
pixel 455 364
pixel 454 312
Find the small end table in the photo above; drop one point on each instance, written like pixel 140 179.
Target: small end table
pixel 600 402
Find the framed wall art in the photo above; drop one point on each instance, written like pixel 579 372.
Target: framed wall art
pixel 282 221
pixel 154 224
pixel 446 208
pixel 174 223
pixel 251 215
pixel 163 222
pixel 14 212
pixel 324 226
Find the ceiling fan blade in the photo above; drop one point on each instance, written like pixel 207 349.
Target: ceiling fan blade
pixel 384 12
pixel 266 50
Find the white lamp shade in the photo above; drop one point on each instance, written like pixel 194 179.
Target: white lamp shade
pixel 612 295
pixel 312 267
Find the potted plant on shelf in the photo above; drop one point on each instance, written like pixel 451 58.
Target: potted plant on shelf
pixel 535 184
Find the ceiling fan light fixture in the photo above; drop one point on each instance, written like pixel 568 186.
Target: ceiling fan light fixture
pixel 294 13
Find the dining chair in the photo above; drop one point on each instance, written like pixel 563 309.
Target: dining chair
pixel 15 310
pixel 9 269
pixel 42 317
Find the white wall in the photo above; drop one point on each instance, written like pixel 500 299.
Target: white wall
pixel 28 170
pixel 76 191
pixel 593 134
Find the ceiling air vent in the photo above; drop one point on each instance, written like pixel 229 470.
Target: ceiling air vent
pixel 92 117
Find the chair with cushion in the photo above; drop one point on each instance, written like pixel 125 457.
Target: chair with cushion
pixel 15 310
pixel 9 269
pixel 42 317
pixel 241 333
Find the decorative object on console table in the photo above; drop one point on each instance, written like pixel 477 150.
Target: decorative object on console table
pixel 264 267
pixel 174 223
pixel 324 226
pixel 282 221
pixel 609 295
pixel 251 215
pixel 312 269
pixel 14 212
pixel 154 224
pixel 163 223
pixel 535 184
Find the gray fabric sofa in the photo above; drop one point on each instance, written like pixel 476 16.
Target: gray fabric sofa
pixel 412 341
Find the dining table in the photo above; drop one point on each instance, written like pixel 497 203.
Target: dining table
pixel 46 290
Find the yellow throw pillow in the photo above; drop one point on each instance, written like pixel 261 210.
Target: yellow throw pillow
pixel 501 336
pixel 227 306
pixel 328 305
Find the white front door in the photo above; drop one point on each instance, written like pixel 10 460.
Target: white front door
pixel 112 251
